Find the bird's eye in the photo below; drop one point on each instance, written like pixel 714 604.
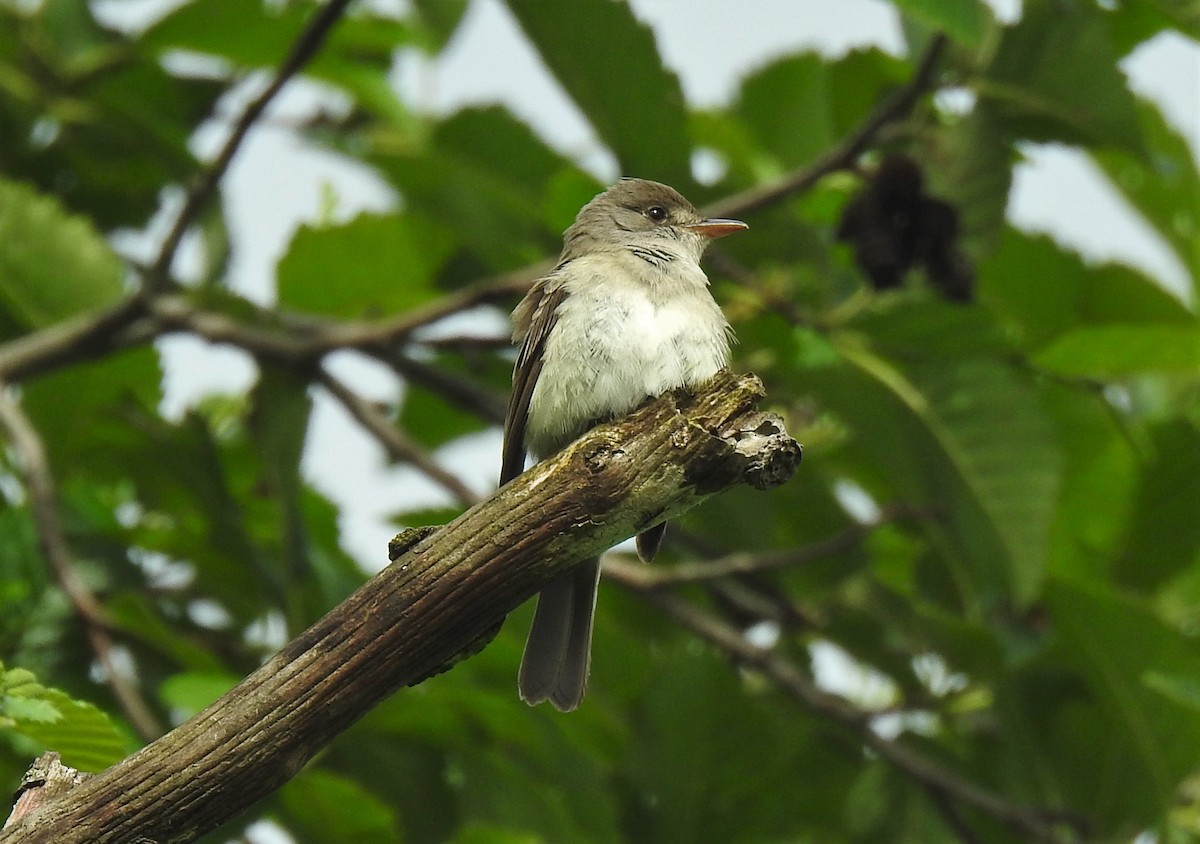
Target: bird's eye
pixel 656 213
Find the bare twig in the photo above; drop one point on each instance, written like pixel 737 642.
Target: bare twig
pixel 80 338
pixel 303 49
pixel 1046 826
pixel 396 329
pixel 43 502
pixel 394 441
pixel 639 576
pixel 263 337
pixel 468 343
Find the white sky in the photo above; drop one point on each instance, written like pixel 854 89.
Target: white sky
pixel 276 182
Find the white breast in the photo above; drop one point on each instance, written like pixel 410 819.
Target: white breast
pixel 617 342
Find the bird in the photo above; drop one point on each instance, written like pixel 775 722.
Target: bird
pixel 625 314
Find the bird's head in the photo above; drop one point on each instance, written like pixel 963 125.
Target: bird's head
pixel 647 214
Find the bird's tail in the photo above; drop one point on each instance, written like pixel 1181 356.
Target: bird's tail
pixel 558 652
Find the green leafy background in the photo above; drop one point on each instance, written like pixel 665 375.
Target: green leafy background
pixel 1034 456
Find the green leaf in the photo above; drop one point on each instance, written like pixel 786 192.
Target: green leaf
pixel 1184 14
pixel 434 421
pixel 1133 24
pixel 929 330
pixel 700 778
pixel 442 17
pixel 83 412
pixel 320 806
pixel 1099 483
pixel 966 21
pixel 52 264
pixel 1111 351
pixel 89 118
pixel 1146 744
pixel 1164 536
pixel 190 692
pixel 1136 23
pixel 1087 320
pixel 488 834
pixel 860 79
pixel 84 735
pixel 492 141
pixel 248 34
pixel 335 574
pixel 375 265
pixel 501 229
pixel 29 709
pixel 608 62
pixel 137 617
pixel 1055 78
pixel 204 519
pixel 1164 185
pixel 489 178
pixel 966 437
pixel 795 109
pixel 787 106
pixel 18 681
pixel 278 424
pixel 356 56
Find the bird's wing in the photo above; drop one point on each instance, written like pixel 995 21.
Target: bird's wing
pixel 540 309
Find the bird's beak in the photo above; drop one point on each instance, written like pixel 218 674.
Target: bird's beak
pixel 712 229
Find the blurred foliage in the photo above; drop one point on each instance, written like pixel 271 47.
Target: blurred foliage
pixel 1029 618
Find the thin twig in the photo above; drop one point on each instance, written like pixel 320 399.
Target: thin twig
pixel 1036 824
pixel 394 441
pixel 391 331
pixel 845 154
pixel 303 49
pixel 742 563
pixel 263 337
pixel 76 339
pixel 43 502
pixel 745 563
pixel 465 343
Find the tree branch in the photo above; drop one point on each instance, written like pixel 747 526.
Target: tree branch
pixel 46 779
pixel 394 441
pixel 43 502
pixel 446 589
pixel 1046 826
